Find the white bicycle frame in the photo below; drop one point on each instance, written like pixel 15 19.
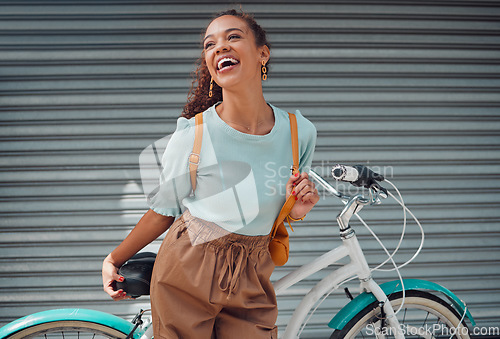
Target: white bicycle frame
pixel 357 266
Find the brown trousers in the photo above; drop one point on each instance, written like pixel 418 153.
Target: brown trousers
pixel 209 283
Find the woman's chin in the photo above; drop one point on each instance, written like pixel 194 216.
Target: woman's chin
pixel 235 80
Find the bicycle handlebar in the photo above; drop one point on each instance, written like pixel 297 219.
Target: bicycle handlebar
pixel 358 175
pixel 326 185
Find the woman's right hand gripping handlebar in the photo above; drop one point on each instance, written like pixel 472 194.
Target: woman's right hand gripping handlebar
pixel 150 227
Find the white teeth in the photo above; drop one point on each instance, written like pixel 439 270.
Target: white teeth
pixel 221 61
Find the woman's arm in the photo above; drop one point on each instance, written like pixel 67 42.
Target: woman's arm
pixel 150 227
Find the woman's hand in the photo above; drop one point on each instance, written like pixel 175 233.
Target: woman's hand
pixel 150 227
pixel 109 277
pixel 305 192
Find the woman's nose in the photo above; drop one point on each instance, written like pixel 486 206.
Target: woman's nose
pixel 222 48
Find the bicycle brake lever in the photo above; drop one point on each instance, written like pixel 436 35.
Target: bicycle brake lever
pixel 381 191
pixel 377 192
pixel 366 177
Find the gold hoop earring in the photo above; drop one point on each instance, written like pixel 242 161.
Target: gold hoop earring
pixel 210 93
pixel 264 71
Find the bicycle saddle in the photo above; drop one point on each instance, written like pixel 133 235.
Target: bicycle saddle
pixel 137 273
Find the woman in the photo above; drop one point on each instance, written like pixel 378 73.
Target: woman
pixel 211 275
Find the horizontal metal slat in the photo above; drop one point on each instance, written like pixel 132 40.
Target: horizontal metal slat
pixel 423 74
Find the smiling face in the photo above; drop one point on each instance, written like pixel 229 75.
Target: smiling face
pixel 231 53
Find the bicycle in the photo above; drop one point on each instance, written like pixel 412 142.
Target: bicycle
pixel 404 308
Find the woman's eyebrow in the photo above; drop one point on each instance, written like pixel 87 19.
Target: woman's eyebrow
pixel 226 31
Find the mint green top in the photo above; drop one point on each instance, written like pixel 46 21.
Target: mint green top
pixel 241 177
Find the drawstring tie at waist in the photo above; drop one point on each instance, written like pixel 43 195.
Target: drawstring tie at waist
pixel 234 263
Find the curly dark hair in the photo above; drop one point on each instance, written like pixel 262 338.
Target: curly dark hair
pixel 198 99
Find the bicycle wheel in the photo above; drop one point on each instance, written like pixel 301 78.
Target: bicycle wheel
pixel 68 329
pixel 423 315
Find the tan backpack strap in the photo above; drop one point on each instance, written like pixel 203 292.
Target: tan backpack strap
pixel 295 142
pixel 290 202
pixel 194 157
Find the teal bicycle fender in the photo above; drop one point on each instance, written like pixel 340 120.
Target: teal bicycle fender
pixel 364 299
pixel 70 314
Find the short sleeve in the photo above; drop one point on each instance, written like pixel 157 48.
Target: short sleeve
pixel 174 182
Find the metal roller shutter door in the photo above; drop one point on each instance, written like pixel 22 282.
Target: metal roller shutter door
pixel 411 88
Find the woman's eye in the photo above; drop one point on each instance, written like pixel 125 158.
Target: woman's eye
pixel 231 37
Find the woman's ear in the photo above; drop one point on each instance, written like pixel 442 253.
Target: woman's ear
pixel 265 53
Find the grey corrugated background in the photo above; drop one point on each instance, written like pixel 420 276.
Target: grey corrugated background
pixel 409 87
